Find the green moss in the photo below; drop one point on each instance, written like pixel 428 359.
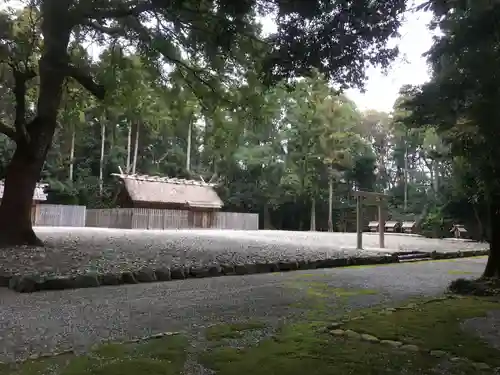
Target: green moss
pixel 434 325
pixel 130 366
pixel 111 350
pixel 373 265
pixel 326 291
pixel 323 298
pixel 172 349
pixel 300 275
pixel 460 272
pixel 165 356
pixel 306 348
pixel 300 349
pixel 319 289
pixel 320 294
pixel 232 331
pixel 84 365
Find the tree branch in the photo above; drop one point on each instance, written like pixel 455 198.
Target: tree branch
pixel 86 81
pixel 147 37
pixel 20 80
pixel 113 31
pixel 87 10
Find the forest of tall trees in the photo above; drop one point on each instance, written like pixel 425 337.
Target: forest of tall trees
pixel 224 101
pixel 280 153
pixel 292 151
pixel 92 85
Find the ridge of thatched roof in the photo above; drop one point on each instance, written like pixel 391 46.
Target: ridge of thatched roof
pixel 170 180
pixel 155 189
pixel 38 195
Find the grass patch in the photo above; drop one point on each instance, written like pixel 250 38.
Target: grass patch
pixel 322 298
pixel 304 348
pixel 434 325
pixel 307 348
pixel 232 331
pixel 165 356
pixel 319 289
pixel 317 275
pixel 459 272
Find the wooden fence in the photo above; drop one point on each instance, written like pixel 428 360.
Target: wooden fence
pixel 144 218
pixel 57 215
pixel 236 220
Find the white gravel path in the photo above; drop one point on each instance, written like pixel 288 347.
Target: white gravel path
pixel 80 250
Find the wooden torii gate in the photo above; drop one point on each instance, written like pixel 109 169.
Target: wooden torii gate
pixel 378 199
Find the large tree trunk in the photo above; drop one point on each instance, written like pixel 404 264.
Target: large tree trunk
pixel 15 210
pixel 480 226
pixel 129 147
pixel 493 266
pixel 72 155
pixel 437 178
pixel 313 215
pixel 24 169
pixel 101 160
pixel 433 184
pixel 188 148
pixel 136 148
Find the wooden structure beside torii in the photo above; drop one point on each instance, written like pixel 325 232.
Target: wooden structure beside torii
pixel 378 199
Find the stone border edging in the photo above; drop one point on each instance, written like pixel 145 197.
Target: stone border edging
pixel 401 345
pixel 458 254
pixel 34 283
pixel 334 329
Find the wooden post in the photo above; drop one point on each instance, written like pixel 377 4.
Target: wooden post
pixel 374 198
pixel 359 222
pixel 381 224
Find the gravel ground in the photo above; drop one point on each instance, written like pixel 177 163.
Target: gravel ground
pixel 71 251
pixel 488 328
pixel 49 321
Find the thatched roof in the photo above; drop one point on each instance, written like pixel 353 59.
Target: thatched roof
pixel 409 224
pixel 152 189
pixel 39 194
pixel 391 224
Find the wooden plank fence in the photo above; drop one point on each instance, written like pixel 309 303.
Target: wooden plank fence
pixel 134 218
pixel 236 220
pixel 148 218
pixel 109 218
pixel 58 215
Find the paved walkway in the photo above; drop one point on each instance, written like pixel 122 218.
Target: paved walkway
pixel 47 321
